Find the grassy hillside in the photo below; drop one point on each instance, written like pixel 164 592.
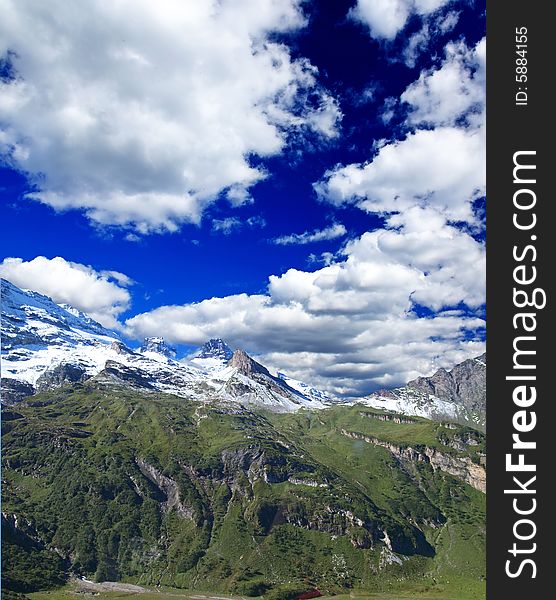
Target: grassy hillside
pixel 151 489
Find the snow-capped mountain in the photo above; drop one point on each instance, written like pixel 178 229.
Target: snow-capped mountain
pixel 30 319
pixel 307 390
pixel 212 355
pixel 215 348
pixel 45 345
pixel 38 335
pixel 157 348
pixel 455 395
pixel 254 384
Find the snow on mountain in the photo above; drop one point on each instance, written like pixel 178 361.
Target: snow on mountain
pixel 215 348
pixel 409 402
pixel 212 356
pixel 456 395
pixel 45 345
pixel 29 318
pixel 157 349
pixel 306 390
pixel 247 379
pixel 37 334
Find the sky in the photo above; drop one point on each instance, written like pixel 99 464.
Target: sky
pixel 305 180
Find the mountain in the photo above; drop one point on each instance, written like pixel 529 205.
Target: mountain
pixel 202 473
pixel 156 347
pixel 46 345
pixel 309 391
pixel 116 483
pixel 456 395
pixel 253 384
pixel 38 335
pixel 212 356
pixel 215 348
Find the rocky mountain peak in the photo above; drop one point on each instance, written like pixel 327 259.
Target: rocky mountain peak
pixel 158 346
pixel 215 348
pixel 464 385
pixel 245 364
pixel 458 394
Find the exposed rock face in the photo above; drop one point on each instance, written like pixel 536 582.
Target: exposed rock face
pixel 121 348
pixel 458 395
pixel 388 417
pixel 168 487
pixel 252 371
pixel 13 391
pixel 117 373
pixel 60 375
pixel 461 467
pixel 246 365
pixel 464 385
pixel 158 346
pixel 255 464
pixel 462 441
pixel 215 348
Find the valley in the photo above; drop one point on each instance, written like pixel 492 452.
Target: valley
pixel 212 476
pixel 151 489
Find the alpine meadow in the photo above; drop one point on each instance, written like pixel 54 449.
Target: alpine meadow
pixel 242 281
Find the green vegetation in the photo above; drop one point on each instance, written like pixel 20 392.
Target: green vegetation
pixel 151 489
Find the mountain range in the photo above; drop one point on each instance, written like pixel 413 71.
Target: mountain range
pixel 214 474
pixel 45 345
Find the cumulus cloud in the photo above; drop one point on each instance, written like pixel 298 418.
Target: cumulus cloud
pixel 351 326
pixel 453 93
pixel 102 295
pixel 386 18
pixel 160 118
pixel 420 260
pixel 441 168
pixel 308 237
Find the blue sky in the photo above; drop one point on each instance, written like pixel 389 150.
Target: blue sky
pixel 302 179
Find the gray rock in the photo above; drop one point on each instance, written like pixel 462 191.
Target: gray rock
pixel 60 375
pixel 464 385
pixel 13 391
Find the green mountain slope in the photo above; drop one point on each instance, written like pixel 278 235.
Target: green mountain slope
pixel 115 484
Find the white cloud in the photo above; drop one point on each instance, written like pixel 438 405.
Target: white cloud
pixel 386 18
pixel 419 260
pixel 102 295
pixel 349 326
pixel 226 226
pixel 141 113
pixel 256 221
pixel 419 41
pixel 308 237
pixel 455 91
pixel 230 225
pixel 442 168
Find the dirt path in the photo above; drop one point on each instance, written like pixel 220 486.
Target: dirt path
pixel 84 585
